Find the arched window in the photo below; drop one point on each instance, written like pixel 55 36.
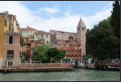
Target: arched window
pixel 70 37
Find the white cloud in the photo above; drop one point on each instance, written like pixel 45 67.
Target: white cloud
pixel 68 22
pixel 50 10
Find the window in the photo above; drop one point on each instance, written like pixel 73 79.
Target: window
pixel 26 32
pixel 79 55
pixel 66 45
pixel 75 46
pixel 66 55
pixel 72 51
pixel 31 33
pixel 36 36
pixel 75 55
pixel 47 42
pixel 5 22
pixel 10 53
pixel 72 55
pixel 66 51
pixel 9 27
pixel 79 51
pixel 79 45
pixel 61 45
pixel 10 63
pixel 79 29
pixel 10 39
pixel 69 45
pixel 23 32
pixel 46 36
pixel 70 37
pixel 41 36
pixel 13 29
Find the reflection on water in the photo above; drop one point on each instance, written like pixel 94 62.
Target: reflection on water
pixel 77 75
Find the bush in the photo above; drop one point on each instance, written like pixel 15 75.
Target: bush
pixel 22 60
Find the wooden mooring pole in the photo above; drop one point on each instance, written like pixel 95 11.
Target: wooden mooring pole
pixel 5 68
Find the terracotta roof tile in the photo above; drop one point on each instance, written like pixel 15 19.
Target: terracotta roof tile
pixel 56 31
pixel 28 28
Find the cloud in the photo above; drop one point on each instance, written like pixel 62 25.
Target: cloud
pixel 67 22
pixel 50 10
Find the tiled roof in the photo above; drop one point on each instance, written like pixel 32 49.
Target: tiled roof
pixel 56 31
pixel 28 28
pixel 39 32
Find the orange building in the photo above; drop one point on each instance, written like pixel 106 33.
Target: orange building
pixel 72 48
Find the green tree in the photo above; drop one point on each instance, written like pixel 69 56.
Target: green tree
pixel 101 41
pixel 115 19
pixel 115 22
pixel 40 52
pixel 55 54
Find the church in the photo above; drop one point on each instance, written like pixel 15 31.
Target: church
pixel 73 43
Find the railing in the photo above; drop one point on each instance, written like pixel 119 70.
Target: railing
pixel 107 62
pixel 27 42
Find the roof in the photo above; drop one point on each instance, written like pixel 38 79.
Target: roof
pixel 56 31
pixel 41 32
pixel 28 28
pixel 81 23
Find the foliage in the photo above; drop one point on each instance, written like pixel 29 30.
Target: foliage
pixel 26 53
pixel 40 52
pixel 54 53
pixel 101 41
pixel 115 22
pixel 22 60
pixel 87 56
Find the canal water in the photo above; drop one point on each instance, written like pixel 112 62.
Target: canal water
pixel 77 75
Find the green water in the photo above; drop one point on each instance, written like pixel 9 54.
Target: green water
pixel 77 75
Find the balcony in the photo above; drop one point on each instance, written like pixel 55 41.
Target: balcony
pixel 9 56
pixel 31 36
pixel 27 42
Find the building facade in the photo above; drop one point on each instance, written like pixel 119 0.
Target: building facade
pixel 12 50
pixel 6 25
pixel 76 41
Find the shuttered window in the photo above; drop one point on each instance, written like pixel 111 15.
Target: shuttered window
pixel 5 22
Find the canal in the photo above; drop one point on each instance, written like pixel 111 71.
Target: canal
pixel 77 75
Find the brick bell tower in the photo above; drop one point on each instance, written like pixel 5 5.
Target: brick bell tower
pixel 81 37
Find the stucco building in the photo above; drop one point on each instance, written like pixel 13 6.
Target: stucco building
pixel 7 24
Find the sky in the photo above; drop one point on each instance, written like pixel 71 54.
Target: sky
pixel 57 15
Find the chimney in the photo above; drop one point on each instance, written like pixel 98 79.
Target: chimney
pixel 6 12
pixel 27 26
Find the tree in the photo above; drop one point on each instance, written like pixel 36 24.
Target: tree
pixel 55 54
pixel 40 52
pixel 115 22
pixel 115 19
pixel 101 41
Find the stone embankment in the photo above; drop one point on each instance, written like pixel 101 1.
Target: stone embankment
pixel 42 67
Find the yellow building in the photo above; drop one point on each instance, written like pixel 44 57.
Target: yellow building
pixel 42 37
pixel 6 24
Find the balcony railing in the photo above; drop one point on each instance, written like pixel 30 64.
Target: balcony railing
pixel 10 56
pixel 27 42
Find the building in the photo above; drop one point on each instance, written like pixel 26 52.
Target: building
pixel 72 48
pixel 7 25
pixel 42 37
pixel 28 36
pixel 73 43
pixel 12 50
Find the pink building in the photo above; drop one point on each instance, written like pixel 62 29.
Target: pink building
pixel 12 50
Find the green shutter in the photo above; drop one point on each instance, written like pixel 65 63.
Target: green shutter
pixel 13 29
pixel 5 22
pixel 23 32
pixel 26 32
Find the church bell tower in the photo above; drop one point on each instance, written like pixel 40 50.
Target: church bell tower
pixel 81 37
